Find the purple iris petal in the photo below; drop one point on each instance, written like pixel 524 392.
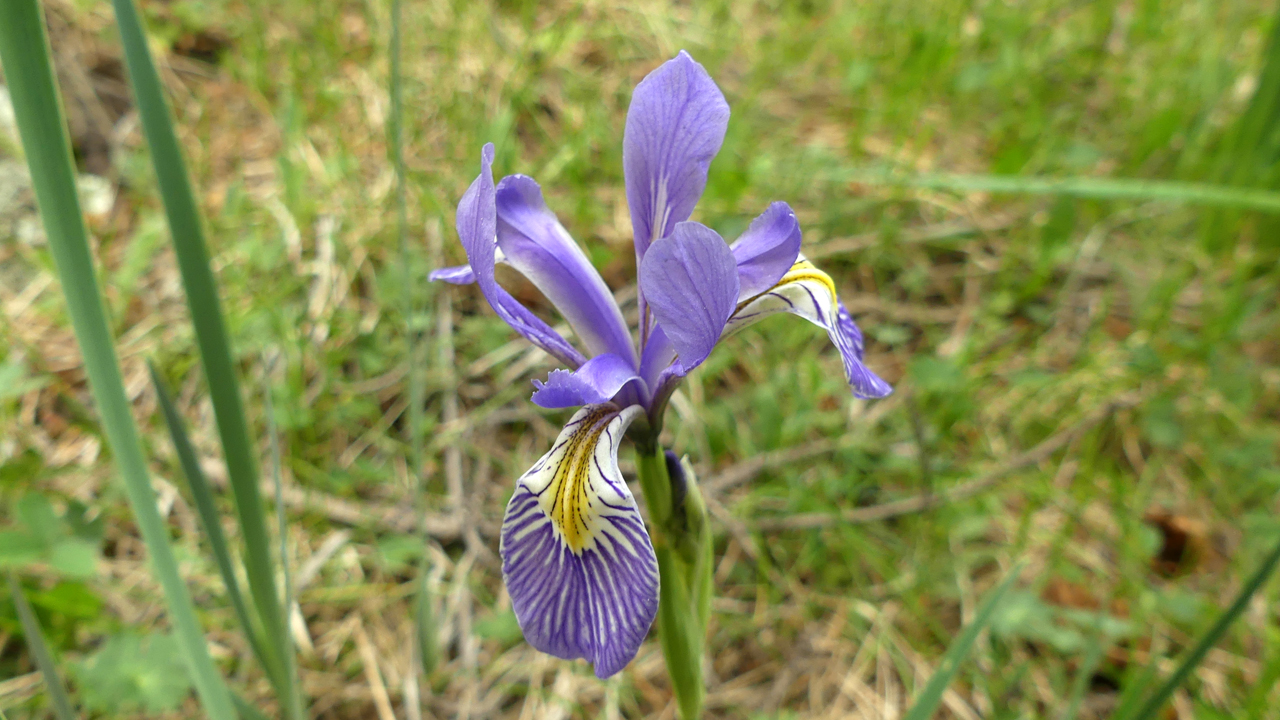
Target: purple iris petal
pixel 766 251
pixel 457 275
pixel 675 126
pixel 848 339
pixel 477 227
pixel 576 558
pixel 658 353
pixel 690 280
pixel 536 244
pixel 597 381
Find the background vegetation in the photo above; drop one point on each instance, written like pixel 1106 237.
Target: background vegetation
pixel 1087 382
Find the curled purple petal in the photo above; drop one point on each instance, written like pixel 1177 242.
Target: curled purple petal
pixel 477 227
pixel 675 126
pixel 690 281
pixel 848 339
pixel 597 381
pixel 767 249
pixel 576 558
pixel 457 275
pixel 535 243
pixel 810 293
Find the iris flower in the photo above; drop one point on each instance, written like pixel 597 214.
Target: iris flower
pixel 577 561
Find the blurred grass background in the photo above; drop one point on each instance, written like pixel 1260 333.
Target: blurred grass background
pixel 1130 346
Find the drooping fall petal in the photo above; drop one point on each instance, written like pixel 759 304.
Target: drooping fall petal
pixel 810 293
pixel 576 557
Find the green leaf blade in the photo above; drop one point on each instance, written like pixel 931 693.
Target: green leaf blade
pixel 40 652
pixel 929 699
pixel 24 52
pixel 187 230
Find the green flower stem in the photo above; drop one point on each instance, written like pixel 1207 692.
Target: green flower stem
pixel 682 542
pixel 24 50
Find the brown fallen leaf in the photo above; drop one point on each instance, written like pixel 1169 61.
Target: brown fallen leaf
pixel 1184 545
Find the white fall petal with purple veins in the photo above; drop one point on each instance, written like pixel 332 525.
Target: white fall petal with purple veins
pixel 578 564
pixel 810 293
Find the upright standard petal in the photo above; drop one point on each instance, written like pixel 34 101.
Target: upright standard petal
pixel 477 227
pixel 690 281
pixel 536 244
pixel 576 558
pixel 597 381
pixel 810 293
pixel 675 126
pixel 767 250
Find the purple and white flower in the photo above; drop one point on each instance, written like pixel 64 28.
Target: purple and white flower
pixel 576 558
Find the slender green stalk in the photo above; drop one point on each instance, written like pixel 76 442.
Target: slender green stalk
pixel 681 540
pixel 929 699
pixel 290 658
pixel 395 131
pixel 424 618
pixel 1249 154
pixel 1210 638
pixel 1092 659
pixel 1082 187
pixel 24 50
pixel 187 230
pixel 40 651
pixel 207 512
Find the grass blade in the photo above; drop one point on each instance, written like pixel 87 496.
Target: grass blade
pixel 1210 638
pixel 289 659
pixel 1092 659
pixel 1251 154
pixel 928 700
pixel 207 511
pixel 395 130
pixel 187 230
pixel 1081 187
pixel 24 51
pixel 424 617
pixel 40 651
pixel 247 711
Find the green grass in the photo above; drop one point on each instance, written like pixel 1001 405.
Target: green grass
pixel 1045 309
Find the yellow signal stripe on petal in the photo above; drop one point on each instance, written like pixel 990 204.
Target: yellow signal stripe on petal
pixel 578 489
pixel 801 271
pixel 568 497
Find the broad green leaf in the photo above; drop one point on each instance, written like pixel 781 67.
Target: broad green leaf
pixel 74 557
pixel 18 548
pixel 71 598
pixel 14 381
pixel 131 673
pixel 34 511
pixel 501 626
